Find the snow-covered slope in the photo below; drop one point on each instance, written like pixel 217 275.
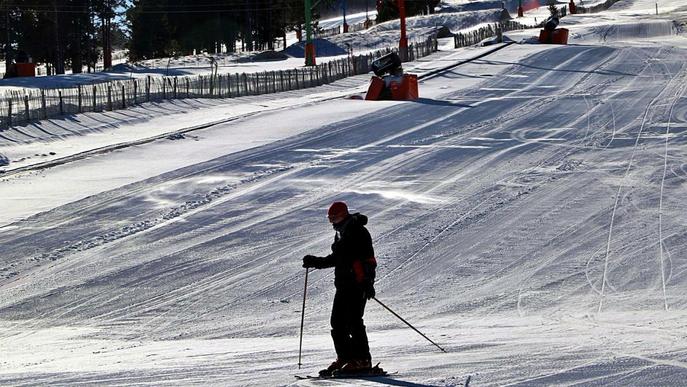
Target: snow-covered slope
pixel 527 214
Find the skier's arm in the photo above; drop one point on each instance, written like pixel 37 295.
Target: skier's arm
pixel 311 261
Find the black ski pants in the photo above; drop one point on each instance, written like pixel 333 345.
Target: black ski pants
pixel 348 330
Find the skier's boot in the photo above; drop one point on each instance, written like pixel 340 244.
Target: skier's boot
pixel 334 367
pixel 360 366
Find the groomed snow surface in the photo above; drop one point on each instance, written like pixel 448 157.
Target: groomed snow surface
pixel 528 215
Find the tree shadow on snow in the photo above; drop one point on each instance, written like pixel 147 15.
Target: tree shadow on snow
pixel 602 72
pixel 386 380
pixel 436 102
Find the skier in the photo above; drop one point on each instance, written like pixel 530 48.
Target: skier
pixel 354 265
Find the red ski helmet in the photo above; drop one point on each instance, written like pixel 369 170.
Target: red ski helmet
pixel 337 209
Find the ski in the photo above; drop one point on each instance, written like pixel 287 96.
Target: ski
pixel 374 372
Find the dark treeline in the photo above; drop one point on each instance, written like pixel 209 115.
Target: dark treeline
pixel 388 10
pixel 161 28
pixel 386 7
pixel 61 33
pixel 77 33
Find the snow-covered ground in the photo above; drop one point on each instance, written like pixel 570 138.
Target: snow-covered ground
pixel 527 214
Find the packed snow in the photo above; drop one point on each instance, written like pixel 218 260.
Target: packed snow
pixel 527 211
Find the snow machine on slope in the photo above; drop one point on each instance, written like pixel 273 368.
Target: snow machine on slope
pixel 389 81
pixel 552 35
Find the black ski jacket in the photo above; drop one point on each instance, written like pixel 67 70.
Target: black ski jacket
pixel 352 256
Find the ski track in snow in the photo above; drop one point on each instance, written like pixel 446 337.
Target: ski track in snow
pixel 679 81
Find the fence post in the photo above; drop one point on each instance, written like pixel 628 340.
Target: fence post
pixel 135 92
pixel 123 96
pixel 175 87
pixel 245 83
pixel 188 88
pixel 109 97
pixel 9 112
pixel 44 108
pixel 95 94
pixel 148 88
pixel 79 98
pixel 59 93
pixel 164 88
pixel 237 93
pixel 26 108
pixel 281 79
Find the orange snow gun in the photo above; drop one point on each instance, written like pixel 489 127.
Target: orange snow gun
pixel 552 35
pixel 389 81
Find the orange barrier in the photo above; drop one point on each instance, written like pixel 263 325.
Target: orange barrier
pixel 405 90
pixel 557 36
pixel 374 92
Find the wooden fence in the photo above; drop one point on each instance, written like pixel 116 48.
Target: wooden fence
pixel 473 37
pixel 23 107
pixel 338 30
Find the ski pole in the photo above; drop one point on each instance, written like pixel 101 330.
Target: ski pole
pixel 305 290
pixel 408 324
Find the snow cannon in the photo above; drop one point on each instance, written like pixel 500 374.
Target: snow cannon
pixel 552 35
pixel 389 81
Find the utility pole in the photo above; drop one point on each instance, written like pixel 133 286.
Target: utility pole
pixel 403 43
pixel 309 46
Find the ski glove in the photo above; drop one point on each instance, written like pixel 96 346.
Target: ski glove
pixel 311 261
pixel 369 290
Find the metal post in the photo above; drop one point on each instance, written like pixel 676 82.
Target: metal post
pixel 345 24
pixel 403 43
pixel 309 46
pixel 305 291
